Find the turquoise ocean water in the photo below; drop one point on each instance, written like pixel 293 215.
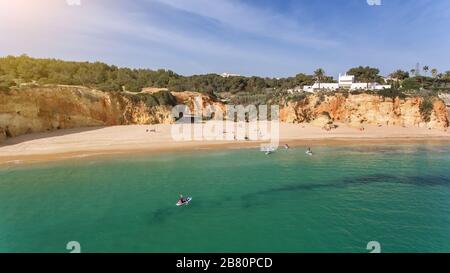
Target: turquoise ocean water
pixel 243 201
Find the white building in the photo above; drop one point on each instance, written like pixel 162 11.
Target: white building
pixel 345 82
pixel 226 75
pixel 322 86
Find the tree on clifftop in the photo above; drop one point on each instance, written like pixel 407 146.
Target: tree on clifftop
pixel 399 75
pixel 319 74
pixel 365 74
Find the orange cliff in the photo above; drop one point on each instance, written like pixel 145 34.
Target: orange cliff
pixel 43 109
pixel 357 110
pixel 47 108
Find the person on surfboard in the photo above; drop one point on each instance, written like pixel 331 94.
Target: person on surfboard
pixel 181 200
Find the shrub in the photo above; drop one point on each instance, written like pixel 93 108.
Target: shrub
pixel 296 97
pixel 391 93
pixel 5 84
pixel 148 99
pixel 411 84
pixel 133 98
pixel 165 98
pixel 155 99
pixel 343 92
pixel 109 86
pixel 426 107
pixel 321 97
pixel 325 113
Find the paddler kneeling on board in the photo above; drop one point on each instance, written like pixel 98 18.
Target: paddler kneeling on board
pixel 181 200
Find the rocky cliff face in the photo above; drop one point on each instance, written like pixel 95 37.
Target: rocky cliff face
pixel 190 99
pixel 48 108
pixel 58 107
pixel 357 110
pixel 446 99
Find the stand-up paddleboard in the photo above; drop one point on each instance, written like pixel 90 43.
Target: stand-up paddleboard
pixel 308 153
pixel 186 201
pixel 268 150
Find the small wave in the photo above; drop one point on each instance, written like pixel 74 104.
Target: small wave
pixel 14 162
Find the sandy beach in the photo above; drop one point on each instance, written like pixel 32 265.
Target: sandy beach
pixel 131 139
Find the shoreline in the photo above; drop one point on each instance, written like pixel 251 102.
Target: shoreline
pixel 135 139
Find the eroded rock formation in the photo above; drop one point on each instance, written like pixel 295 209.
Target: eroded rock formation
pixel 356 110
pixel 47 108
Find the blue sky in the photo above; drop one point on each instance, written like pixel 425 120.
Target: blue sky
pixel 248 37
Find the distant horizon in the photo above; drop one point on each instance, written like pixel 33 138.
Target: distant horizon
pixel 275 39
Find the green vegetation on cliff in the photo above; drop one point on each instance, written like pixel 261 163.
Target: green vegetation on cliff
pixel 23 69
pixel 426 107
pixel 155 99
